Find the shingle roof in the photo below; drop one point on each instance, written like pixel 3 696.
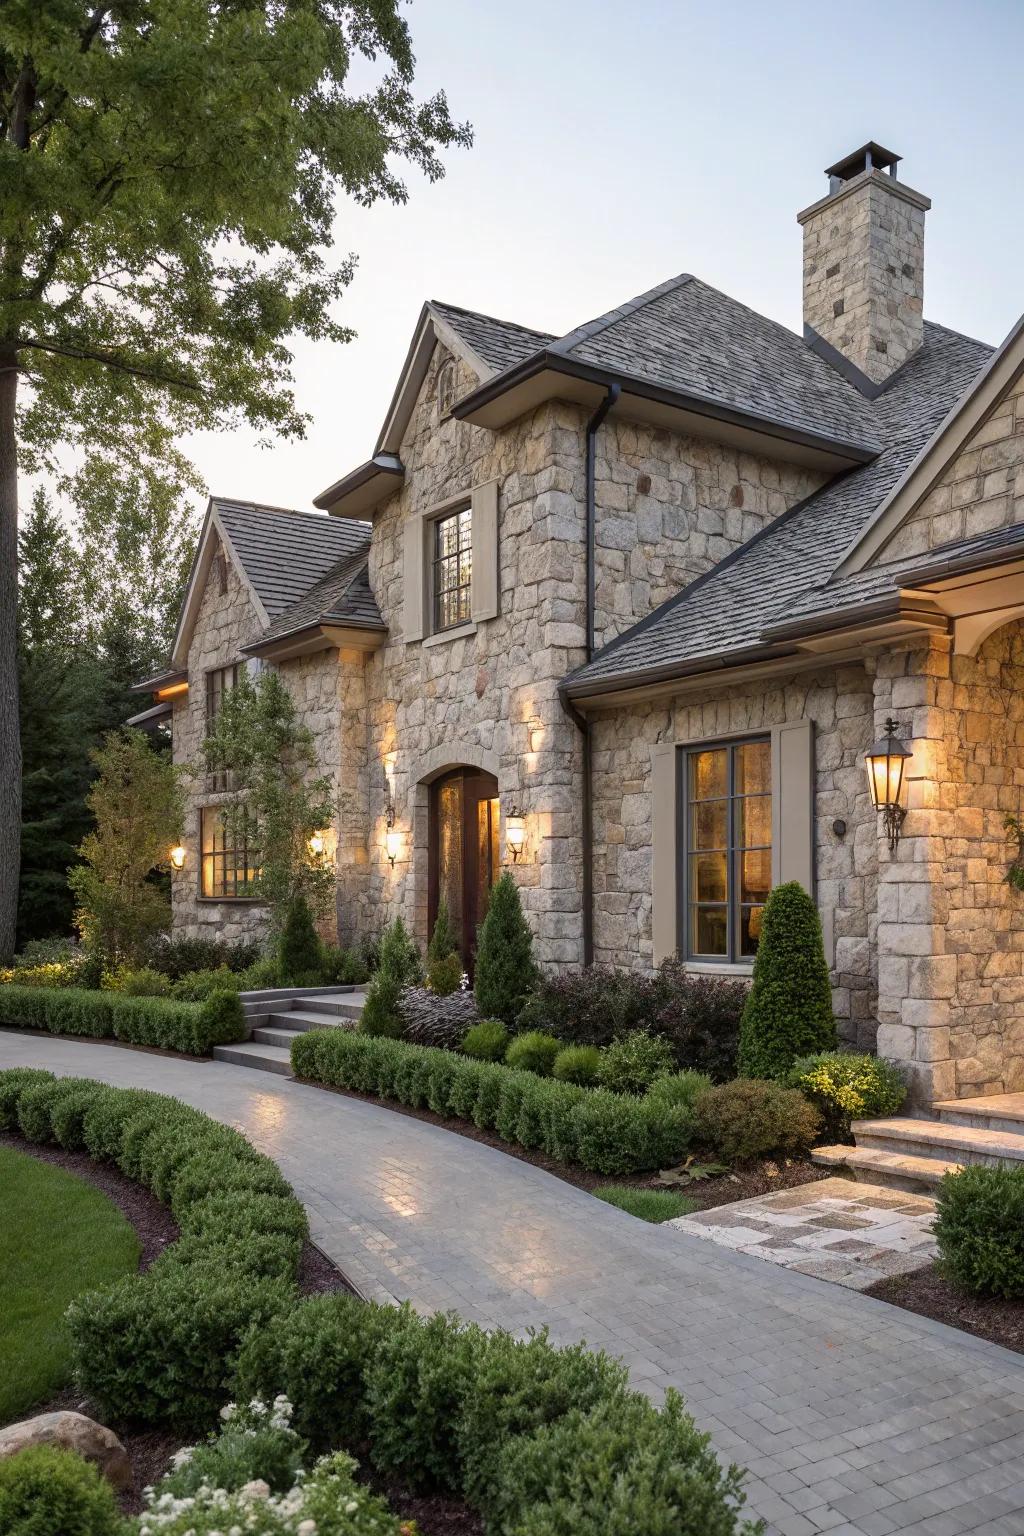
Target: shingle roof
pixel 500 344
pixel 343 596
pixel 785 571
pixel 284 552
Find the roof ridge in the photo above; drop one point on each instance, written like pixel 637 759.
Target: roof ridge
pixel 610 317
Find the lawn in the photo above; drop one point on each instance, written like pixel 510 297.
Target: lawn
pixel 649 1204
pixel 60 1237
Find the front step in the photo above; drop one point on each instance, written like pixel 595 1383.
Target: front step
pixel 990 1112
pixel 894 1170
pixel 273 1036
pixel 265 1058
pixel 939 1140
pixel 308 1018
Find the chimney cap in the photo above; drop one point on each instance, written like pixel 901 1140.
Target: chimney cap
pixel 870 157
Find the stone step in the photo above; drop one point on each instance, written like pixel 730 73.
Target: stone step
pixel 282 1037
pixel 306 1018
pixel 265 1058
pixel 937 1139
pixel 990 1112
pixel 894 1170
pixel 341 1007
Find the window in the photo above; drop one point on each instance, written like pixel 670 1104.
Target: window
pixel 226 871
pixel 728 848
pixel 452 569
pixel 218 682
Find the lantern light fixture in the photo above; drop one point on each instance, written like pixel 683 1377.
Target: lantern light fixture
pixel 886 761
pixel 177 856
pixel 515 832
pixel 392 837
pixel 317 844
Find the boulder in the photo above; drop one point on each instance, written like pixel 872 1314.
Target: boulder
pixel 71 1432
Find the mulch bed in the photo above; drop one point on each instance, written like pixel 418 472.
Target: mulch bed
pixel 928 1293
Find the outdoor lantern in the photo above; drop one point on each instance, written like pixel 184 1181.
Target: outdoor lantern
pixel 177 856
pixel 886 761
pixel 317 843
pixel 393 843
pixel 515 833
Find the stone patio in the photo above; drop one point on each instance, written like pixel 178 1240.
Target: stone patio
pixel 852 1234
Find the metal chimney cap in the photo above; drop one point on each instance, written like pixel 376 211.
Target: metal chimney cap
pixel 870 157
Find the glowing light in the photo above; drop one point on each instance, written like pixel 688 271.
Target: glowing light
pixel 515 833
pixel 177 856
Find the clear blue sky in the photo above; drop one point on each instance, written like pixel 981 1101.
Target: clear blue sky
pixel 617 145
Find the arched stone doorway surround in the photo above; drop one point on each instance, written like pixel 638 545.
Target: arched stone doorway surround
pixel 424 773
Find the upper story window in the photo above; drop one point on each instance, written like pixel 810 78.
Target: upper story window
pixel 218 682
pixel 227 872
pixel 727 835
pixel 452 569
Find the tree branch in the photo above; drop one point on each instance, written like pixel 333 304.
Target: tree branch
pixel 90 355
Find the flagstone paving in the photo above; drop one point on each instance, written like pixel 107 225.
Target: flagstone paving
pixel 851 1234
pixel 852 1417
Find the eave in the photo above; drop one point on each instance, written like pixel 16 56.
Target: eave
pixel 325 633
pixel 550 375
pixel 364 488
pixel 152 719
pixel 162 684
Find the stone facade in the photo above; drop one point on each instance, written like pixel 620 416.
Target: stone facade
pixel 864 271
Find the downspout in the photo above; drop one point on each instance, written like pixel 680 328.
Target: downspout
pixel 581 722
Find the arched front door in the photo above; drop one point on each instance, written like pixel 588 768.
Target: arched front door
pixel 464 861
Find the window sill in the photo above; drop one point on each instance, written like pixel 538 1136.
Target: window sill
pixel 716 968
pixel 229 901
pixel 442 636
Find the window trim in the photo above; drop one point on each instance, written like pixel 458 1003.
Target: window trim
pixel 217 779
pixel 434 525
pixel 733 960
pixel 201 895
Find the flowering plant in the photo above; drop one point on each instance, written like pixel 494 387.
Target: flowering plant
pixel 848 1085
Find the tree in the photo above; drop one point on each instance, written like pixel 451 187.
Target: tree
pixel 398 967
pixel 506 972
pixel 136 801
pixel 167 180
pixel 788 1012
pixel 281 798
pixel 299 951
pixel 444 964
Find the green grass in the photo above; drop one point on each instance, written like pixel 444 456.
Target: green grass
pixel 648 1204
pixel 58 1237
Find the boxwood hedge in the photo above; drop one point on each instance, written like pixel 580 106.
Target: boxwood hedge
pixel 607 1133
pixel 193 1028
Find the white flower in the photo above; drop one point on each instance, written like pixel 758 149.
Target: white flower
pixel 228 1412
pixel 255 1489
pixel 306 1528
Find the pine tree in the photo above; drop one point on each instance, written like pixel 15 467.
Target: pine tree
pixel 506 972
pixel 299 950
pixel 398 967
pixel 444 963
pixel 788 1012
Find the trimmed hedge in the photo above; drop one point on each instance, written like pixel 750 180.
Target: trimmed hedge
pixel 541 1441
pixel 608 1133
pixel 46 1490
pixel 979 1227
pixel 193 1028
pixel 162 1346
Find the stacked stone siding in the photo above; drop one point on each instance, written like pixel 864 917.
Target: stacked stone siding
pixel 864 272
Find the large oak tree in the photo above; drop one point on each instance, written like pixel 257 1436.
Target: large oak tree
pixel 168 172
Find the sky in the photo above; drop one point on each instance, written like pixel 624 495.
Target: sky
pixel 617 145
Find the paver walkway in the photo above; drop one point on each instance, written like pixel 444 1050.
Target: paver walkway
pixel 853 1417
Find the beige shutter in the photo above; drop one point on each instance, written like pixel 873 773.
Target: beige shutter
pixel 793 788
pixel 665 852
pixel 412 605
pixel 484 593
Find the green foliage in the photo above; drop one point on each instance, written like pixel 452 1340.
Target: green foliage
pixel 653 1205
pixel 343 967
pixel 486 1041
pixel 298 950
pixel 533 1052
pixel 180 957
pixel 444 964
pixel 609 1133
pixel 144 982
pixel 417 1381
pixel 788 1012
pixel 506 972
pixel 44 1491
pixel 751 1118
pixel 188 1027
pixel 445 976
pixel 197 985
pixel 398 967
pixel 137 804
pixel 979 1227
pixel 577 1064
pixel 633 1063
pixel 399 955
pixel 848 1085
pixel 254 1441
pixel 682 1089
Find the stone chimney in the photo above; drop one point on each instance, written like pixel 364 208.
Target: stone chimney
pixel 864 265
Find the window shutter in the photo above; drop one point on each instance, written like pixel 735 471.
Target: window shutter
pixel 665 862
pixel 412 604
pixel 484 594
pixel 793 788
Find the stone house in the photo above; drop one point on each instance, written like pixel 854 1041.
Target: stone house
pixel 624 610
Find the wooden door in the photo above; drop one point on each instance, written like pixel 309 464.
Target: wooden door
pixel 464 858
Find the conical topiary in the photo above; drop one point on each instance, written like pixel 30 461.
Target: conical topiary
pixel 299 953
pixel 444 964
pixel 788 1012
pixel 398 967
pixel 506 972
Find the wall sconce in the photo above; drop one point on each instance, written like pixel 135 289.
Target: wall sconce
pixel 392 838
pixel 885 763
pixel 515 833
pixel 177 857
pixel 535 733
pixel 317 844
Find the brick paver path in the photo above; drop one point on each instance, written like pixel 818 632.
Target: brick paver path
pixel 852 1417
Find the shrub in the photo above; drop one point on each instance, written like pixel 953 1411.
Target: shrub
pixel 52 973
pixel 486 1041
pixel 788 1011
pixel 342 967
pixel 632 1064
pixel 848 1085
pixel 298 950
pixel 616 1133
pixel 144 982
pixel 37 1103
pixel 590 1007
pixel 196 986
pixel 506 972
pixel 699 1016
pixel 533 1052
pixel 444 964
pixel 398 953
pixel 979 1228
pixel 624 1466
pixel 751 1118
pixel 682 1089
pixel 381 1014
pixel 45 1491
pixel 654 1205
pixel 255 1440
pixel 577 1064
pixel 156 1021
pixel 445 976
pixel 416 1384
pixel 180 957
pixel 260 975
pixel 429 1019
pixel 13 1084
